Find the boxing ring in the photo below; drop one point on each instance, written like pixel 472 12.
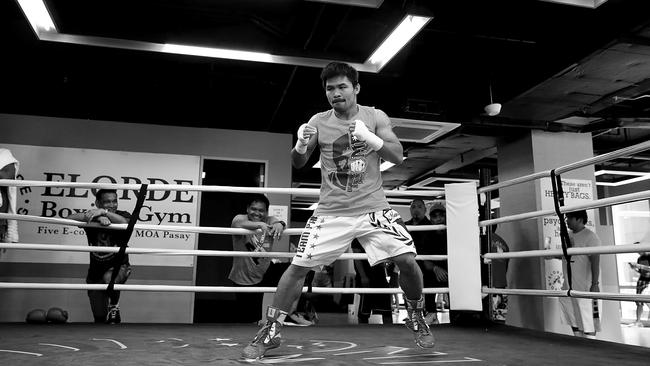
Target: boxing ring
pixel 328 344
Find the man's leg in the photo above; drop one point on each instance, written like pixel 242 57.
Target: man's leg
pixel 641 285
pixel 98 304
pixel 113 316
pixel 584 310
pixel 249 306
pixel 430 305
pixel 410 275
pixel 411 282
pixel 289 289
pixel 639 312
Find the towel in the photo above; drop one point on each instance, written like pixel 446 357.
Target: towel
pixel 12 225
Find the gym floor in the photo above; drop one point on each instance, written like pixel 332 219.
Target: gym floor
pixel 221 344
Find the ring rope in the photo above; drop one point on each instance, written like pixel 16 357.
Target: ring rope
pixel 608 249
pixel 199 188
pixel 624 198
pixel 643 146
pixel 563 293
pixel 177 228
pixel 183 252
pixel 54 220
pixel 322 290
pixel 177 288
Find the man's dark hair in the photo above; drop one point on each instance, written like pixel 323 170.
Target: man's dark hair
pixel 101 192
pixel 334 69
pixel 259 198
pixel 582 214
pixel 417 200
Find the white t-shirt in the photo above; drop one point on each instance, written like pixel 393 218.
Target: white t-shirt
pixel 581 264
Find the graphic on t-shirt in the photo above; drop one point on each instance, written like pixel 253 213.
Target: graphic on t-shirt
pixel 349 156
pixel 257 243
pixel 103 239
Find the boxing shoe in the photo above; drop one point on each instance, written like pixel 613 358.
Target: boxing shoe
pixel 268 337
pixel 417 324
pixel 297 320
pixel 431 318
pixel 113 316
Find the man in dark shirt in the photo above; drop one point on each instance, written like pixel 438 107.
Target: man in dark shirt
pixel 430 242
pixel 104 304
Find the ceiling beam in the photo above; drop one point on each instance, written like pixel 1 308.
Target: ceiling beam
pixel 464 159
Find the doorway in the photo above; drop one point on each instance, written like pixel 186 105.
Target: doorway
pixel 218 210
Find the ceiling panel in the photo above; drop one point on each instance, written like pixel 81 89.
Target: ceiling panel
pixel 543 61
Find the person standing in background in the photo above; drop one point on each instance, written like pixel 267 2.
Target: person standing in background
pixel 585 269
pixel 642 266
pixel 424 243
pixel 8 170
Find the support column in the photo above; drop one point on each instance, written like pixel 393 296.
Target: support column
pixel 534 152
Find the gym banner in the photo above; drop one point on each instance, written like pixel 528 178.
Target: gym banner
pixel 60 164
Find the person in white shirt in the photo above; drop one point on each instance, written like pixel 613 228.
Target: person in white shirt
pixel 585 270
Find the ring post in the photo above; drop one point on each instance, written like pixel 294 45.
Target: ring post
pixel 463 247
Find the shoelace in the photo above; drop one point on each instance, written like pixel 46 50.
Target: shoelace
pixel 262 333
pixel 419 324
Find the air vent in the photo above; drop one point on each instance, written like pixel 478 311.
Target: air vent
pixel 419 131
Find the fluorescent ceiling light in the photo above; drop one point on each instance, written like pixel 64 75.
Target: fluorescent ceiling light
pixel 38 16
pixel 217 53
pixel 401 35
pixel 640 176
pixel 363 3
pixel 593 4
pixel 45 29
pixel 619 172
pixel 624 182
